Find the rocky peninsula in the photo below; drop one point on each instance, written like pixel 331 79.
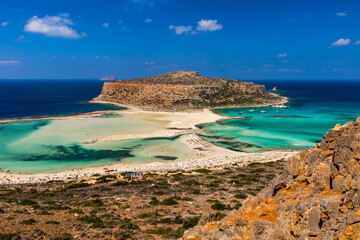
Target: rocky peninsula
pixel 185 91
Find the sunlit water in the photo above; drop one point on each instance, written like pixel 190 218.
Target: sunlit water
pixel 314 108
pixel 45 146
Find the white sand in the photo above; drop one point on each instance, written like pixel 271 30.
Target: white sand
pixel 206 154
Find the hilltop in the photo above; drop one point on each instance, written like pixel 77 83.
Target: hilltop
pixel 186 90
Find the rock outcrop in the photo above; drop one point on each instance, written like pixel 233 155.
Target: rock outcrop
pixel 186 90
pixel 316 197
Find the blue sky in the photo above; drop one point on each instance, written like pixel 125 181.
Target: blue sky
pixel 254 39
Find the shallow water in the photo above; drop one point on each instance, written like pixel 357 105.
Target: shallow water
pixel 314 108
pixel 47 146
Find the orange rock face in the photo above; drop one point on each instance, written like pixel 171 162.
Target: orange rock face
pixel 316 197
pixel 183 90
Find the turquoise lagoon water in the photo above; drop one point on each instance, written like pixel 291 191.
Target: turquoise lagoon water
pixel 314 108
pixel 48 146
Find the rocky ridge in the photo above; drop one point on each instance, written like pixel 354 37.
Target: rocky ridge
pixel 186 90
pixel 316 197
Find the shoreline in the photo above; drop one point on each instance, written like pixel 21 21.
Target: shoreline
pixel 183 124
pixel 127 108
pixel 207 155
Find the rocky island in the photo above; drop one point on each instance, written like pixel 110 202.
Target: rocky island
pixel 186 90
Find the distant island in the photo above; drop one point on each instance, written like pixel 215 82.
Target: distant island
pixel 109 78
pixel 186 90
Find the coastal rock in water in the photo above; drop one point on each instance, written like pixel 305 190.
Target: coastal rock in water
pixel 186 90
pixel 110 78
pixel 316 197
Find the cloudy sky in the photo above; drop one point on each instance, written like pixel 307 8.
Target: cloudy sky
pixel 242 39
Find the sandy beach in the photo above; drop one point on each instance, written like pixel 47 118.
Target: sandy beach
pixel 206 155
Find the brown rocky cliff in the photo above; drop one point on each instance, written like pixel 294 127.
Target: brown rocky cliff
pixel 316 197
pixel 183 90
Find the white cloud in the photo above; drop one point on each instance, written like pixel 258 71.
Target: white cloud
pixel 149 20
pixel 7 62
pixel 3 24
pixel 285 61
pixel 208 25
pixel 21 39
pixel 268 65
pixel 181 29
pixel 341 42
pixel 357 42
pixel 106 25
pixel 52 26
pixel 341 14
pixel 282 55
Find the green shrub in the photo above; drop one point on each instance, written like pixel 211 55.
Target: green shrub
pixel 120 183
pixel 154 201
pixel 76 210
pixel 165 220
pixel 96 203
pixel 9 236
pixel 144 215
pixel 77 185
pixel 66 236
pixel 106 178
pixel 178 220
pixel 191 222
pixel 241 196
pixel 44 213
pixel 191 182
pixel 257 170
pixel 126 223
pixel 167 232
pixel 196 191
pixel 27 202
pixel 53 222
pixel 123 235
pixel 217 216
pixel 30 221
pixel 189 199
pixel 202 170
pixel 94 220
pixel 218 206
pixel 169 202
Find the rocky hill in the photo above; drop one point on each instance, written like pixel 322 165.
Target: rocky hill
pixel 316 197
pixel 184 90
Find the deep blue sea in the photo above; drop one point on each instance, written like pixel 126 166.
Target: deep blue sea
pixel 29 98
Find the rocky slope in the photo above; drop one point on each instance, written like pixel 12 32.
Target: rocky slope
pixel 184 90
pixel 316 197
